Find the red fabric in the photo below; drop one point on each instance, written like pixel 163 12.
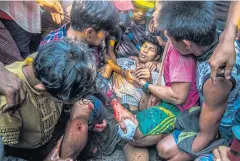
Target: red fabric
pixel 236 145
pixel 123 5
pixel 4 15
pixel 178 68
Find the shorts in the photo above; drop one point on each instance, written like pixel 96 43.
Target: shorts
pixel 157 120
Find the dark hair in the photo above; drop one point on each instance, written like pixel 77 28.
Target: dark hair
pixel 65 70
pixel 151 38
pixel 99 15
pixel 191 20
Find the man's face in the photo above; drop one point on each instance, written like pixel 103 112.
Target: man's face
pixel 179 45
pixel 139 14
pixel 97 37
pixel 148 52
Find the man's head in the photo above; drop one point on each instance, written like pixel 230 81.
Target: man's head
pixel 94 19
pixel 150 50
pixel 140 9
pixel 190 26
pixel 64 70
pixel 139 14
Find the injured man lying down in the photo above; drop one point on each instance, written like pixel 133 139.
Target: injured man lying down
pixel 123 81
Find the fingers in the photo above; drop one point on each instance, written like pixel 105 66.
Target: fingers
pixel 214 71
pixel 223 153
pixel 123 126
pixel 216 154
pixel 99 127
pixel 151 66
pixel 59 143
pixel 55 152
pixel 143 74
pixel 56 17
pixel 58 8
pixel 228 71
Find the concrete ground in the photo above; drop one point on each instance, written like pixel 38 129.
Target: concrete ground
pixel 118 156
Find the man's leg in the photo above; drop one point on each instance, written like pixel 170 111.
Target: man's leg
pixel 132 153
pixel 21 37
pixel 9 52
pixel 167 149
pixel 147 141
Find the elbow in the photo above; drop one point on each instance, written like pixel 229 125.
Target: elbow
pixel 179 101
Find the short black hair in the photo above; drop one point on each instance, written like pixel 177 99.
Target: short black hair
pixel 99 15
pixel 191 20
pixel 152 38
pixel 65 69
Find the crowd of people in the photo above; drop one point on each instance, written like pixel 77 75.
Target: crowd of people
pixel 82 78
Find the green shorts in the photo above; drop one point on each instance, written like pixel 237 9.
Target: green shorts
pixel 157 120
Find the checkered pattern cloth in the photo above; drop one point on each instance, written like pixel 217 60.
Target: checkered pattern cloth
pixel 60 33
pixel 9 52
pixel 128 93
pixel 55 35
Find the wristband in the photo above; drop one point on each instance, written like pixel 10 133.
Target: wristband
pixel 145 87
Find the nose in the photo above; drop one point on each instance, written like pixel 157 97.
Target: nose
pixel 140 12
pixel 145 50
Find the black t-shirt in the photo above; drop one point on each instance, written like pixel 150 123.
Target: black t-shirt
pixel 222 8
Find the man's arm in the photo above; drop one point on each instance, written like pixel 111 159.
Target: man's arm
pixel 176 94
pixel 224 54
pixel 213 108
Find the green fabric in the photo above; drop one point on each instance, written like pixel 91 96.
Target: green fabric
pixel 185 135
pixel 157 120
pixel 194 108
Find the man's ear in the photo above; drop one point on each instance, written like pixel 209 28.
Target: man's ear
pixel 89 33
pixel 187 44
pixel 40 87
pixel 157 57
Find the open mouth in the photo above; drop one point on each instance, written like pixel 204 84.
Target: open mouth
pixel 142 56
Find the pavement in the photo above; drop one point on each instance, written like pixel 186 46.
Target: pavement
pixel 118 156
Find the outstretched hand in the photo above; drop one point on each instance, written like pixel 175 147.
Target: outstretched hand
pixel 54 154
pixel 223 58
pixel 54 7
pixel 11 87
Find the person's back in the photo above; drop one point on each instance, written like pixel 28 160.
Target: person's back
pixel 57 75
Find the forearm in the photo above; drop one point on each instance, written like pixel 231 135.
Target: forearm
pixel 166 93
pixel 144 101
pixel 202 140
pixel 209 121
pixel 105 89
pixel 233 20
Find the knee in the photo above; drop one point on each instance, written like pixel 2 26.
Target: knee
pixel 164 151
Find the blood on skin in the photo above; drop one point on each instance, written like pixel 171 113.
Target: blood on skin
pixel 116 109
pixel 90 106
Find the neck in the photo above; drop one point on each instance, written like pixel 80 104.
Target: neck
pixel 201 50
pixel 75 35
pixel 29 75
pixel 141 22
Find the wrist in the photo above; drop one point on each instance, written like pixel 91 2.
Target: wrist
pixel 145 87
pixel 229 34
